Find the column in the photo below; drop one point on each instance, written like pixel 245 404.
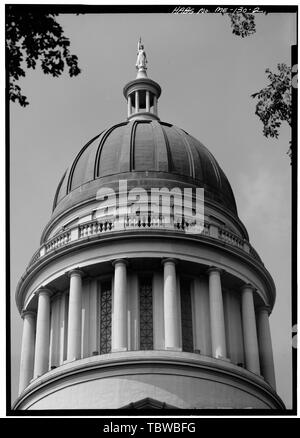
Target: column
pixel 171 311
pixel 201 317
pixel 129 105
pixel 265 345
pixel 133 312
pixel 63 328
pixel 41 359
pixel 27 351
pixel 249 330
pixel 155 105
pixel 217 323
pixel 233 324
pixel 158 311
pixel 119 341
pixel 93 316
pixel 147 101
pixel 74 320
pixel 137 102
pixel 54 331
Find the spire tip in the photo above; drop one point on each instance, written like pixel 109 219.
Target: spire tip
pixel 141 62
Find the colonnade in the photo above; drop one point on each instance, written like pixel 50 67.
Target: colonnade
pixel 36 327
pixel 137 106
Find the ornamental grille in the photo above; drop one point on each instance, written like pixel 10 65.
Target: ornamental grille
pixel 186 316
pixel 146 314
pixel 105 318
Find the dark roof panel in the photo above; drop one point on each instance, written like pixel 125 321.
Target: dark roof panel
pixel 164 150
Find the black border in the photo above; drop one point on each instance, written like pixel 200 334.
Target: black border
pixel 110 414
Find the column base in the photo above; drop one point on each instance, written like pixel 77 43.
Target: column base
pixel 36 377
pixel 118 350
pixel 72 360
pixel 173 348
pixel 226 359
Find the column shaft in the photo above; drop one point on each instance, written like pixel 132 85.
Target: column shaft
pixel 41 359
pixel 265 346
pixel 158 312
pixel 171 311
pixel 249 330
pixel 133 312
pixel 93 315
pixel 137 102
pixel 27 351
pixel 155 105
pixel 74 320
pixel 119 341
pixel 63 329
pixel 147 101
pixel 54 332
pixel 129 105
pixel 218 337
pixel 201 319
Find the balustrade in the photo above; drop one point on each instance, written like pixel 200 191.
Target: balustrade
pixel 137 221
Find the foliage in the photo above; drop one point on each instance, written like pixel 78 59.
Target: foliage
pixel 32 36
pixel 243 24
pixel 274 104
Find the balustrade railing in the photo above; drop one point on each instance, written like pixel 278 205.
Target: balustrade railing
pixel 58 241
pixel 231 238
pixel 142 222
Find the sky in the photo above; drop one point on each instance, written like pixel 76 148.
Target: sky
pixel 207 76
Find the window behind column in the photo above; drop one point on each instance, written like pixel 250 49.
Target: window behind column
pixel 105 317
pixel 146 312
pixel 186 315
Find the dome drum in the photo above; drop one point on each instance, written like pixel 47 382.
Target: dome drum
pixel 145 275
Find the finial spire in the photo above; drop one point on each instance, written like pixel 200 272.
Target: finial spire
pixel 142 93
pixel 141 62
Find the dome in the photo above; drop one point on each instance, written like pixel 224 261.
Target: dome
pixel 147 153
pixel 135 297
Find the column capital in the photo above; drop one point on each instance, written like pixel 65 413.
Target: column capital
pixel 30 313
pixel 124 261
pixel 74 272
pixel 169 260
pixel 248 286
pixel 215 269
pixel 44 291
pixel 264 308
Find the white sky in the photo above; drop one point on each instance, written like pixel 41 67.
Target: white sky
pixel 207 76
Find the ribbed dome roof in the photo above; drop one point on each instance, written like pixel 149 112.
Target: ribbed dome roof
pixel 138 150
